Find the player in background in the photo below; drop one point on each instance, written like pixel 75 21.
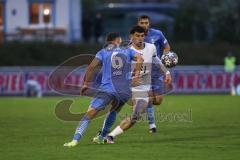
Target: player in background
pixel 140 94
pixel 157 38
pixel 33 89
pixel 107 94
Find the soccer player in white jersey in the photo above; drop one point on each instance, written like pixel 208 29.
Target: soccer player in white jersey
pixel 140 94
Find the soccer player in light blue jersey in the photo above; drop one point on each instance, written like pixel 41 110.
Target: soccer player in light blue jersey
pixel 109 93
pixel 140 93
pixel 157 38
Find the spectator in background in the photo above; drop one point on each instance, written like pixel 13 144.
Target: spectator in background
pixel 33 89
pixel 98 27
pixel 229 66
pixel 229 62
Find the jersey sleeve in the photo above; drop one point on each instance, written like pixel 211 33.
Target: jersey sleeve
pixel 162 40
pixel 99 55
pixel 132 54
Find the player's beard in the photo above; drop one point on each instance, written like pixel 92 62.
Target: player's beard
pixel 140 44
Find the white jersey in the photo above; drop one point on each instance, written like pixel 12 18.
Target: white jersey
pixel 148 52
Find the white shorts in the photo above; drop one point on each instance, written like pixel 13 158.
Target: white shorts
pixel 141 92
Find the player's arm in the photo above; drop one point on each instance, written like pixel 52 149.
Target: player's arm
pixel 139 61
pixel 168 77
pixel 166 48
pixel 89 73
pixel 164 42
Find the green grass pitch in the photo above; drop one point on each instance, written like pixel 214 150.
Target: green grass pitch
pixel 192 127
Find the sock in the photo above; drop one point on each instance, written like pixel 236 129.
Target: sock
pixel 108 122
pixel 152 126
pixel 150 114
pixel 117 131
pixel 83 124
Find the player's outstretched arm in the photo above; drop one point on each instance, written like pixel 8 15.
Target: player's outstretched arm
pixel 166 49
pixel 89 73
pixel 168 77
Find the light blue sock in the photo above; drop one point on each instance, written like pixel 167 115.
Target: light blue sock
pixel 108 122
pixel 150 114
pixel 83 124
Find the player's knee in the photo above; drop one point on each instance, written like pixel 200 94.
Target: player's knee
pixel 127 123
pixel 135 117
pixel 91 113
pixel 132 122
pixel 157 100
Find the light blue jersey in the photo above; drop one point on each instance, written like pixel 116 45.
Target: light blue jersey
pixel 157 38
pixel 114 89
pixel 111 64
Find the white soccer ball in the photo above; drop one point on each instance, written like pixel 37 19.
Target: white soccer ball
pixel 169 59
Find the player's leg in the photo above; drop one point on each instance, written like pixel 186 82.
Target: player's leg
pixel 111 117
pixel 157 100
pixel 83 124
pixel 151 118
pixel 107 124
pixel 117 105
pixel 150 111
pixel 159 88
pixel 98 103
pixel 156 95
pixel 39 93
pixel 138 109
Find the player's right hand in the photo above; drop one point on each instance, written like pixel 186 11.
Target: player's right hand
pixel 135 81
pixel 83 89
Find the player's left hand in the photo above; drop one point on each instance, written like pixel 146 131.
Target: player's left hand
pixel 168 78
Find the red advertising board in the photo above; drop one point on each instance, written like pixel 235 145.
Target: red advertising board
pixel 200 79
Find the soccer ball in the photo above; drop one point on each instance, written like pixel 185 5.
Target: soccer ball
pixel 169 59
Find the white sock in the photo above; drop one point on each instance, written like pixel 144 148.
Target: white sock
pixel 118 130
pixel 152 126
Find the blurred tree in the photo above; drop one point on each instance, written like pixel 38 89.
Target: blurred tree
pixel 225 17
pixel 88 6
pixel 88 19
pixel 208 20
pixel 192 20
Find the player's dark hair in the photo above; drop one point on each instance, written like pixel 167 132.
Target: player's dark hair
pixel 112 36
pixel 143 17
pixel 138 29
